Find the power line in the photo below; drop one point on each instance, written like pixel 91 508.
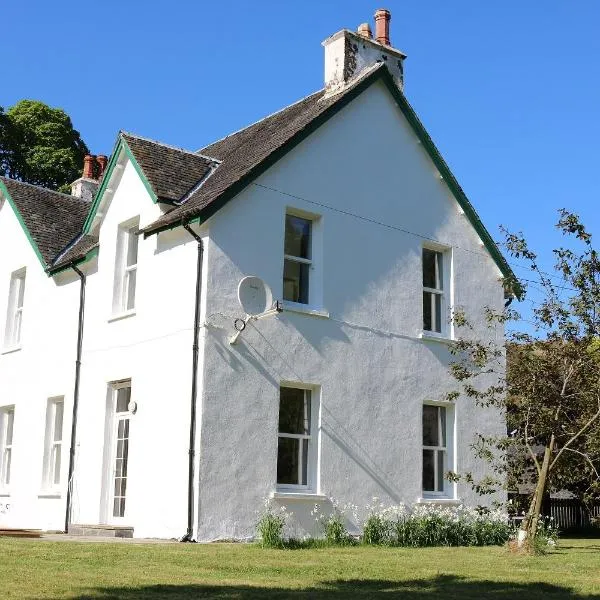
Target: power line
pixel 402 230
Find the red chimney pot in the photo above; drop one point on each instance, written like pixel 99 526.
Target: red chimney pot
pixel 382 26
pixel 102 161
pixel 88 166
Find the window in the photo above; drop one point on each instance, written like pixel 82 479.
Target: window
pixel 437 457
pixel 121 419
pixel 297 259
pixel 297 443
pixel 7 420
pixel 434 292
pixel 14 316
pixel 53 445
pixel 126 268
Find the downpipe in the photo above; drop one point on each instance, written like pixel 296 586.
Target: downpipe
pixel 83 280
pixel 189 536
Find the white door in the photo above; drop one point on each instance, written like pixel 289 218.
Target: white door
pixel 117 505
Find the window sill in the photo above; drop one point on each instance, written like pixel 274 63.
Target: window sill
pixel 49 494
pixel 11 349
pixel 439 500
pixel 123 315
pixel 428 336
pixel 309 496
pixel 305 309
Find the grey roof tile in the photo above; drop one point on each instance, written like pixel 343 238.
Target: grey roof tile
pixel 52 219
pixel 171 172
pixel 76 252
pixel 242 152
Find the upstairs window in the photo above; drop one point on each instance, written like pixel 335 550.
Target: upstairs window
pixel 14 315
pixel 437 458
pixel 53 444
pixel 297 259
pixel 297 443
pixel 126 268
pixel 7 420
pixel 434 292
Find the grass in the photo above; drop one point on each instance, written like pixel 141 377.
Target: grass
pixel 36 569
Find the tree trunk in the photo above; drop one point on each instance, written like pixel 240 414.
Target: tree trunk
pixel 530 522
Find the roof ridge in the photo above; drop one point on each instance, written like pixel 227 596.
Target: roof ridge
pixel 41 187
pixel 260 120
pixel 171 146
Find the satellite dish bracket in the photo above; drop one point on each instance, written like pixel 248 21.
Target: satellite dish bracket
pixel 240 324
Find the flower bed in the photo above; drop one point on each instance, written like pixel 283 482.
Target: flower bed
pixel 401 526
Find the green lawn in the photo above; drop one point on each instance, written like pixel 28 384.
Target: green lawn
pixel 43 569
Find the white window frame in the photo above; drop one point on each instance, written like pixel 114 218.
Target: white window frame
pixel 110 448
pixel 126 234
pixel 313 437
pixel 315 262
pixel 445 292
pixel 7 416
pixel 52 446
pixel 449 488
pixel 14 314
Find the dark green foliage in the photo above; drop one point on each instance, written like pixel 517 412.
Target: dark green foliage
pixel 39 145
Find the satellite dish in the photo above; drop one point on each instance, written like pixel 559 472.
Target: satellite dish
pixel 254 295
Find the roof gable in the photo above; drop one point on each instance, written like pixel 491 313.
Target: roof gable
pixel 50 220
pixel 250 152
pixel 168 173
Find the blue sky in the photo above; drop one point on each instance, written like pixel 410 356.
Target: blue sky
pixel 508 90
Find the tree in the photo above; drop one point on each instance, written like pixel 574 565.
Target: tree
pixel 551 393
pixel 39 145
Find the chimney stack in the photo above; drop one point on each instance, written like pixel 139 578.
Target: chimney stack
pixel 350 53
pixel 382 26
pixel 364 30
pixel 85 187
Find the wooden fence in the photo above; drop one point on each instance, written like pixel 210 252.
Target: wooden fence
pixel 570 514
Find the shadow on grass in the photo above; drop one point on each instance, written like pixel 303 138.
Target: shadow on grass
pixel 444 586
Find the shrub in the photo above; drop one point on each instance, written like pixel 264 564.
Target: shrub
pixel 270 527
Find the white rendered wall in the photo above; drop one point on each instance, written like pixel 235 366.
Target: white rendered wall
pixel 373 369
pixel 152 348
pixel 44 367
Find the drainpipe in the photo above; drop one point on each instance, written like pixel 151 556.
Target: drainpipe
pixel 188 537
pixel 75 394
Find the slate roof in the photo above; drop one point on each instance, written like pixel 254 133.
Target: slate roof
pixel 171 172
pixel 198 184
pixel 53 220
pixel 244 152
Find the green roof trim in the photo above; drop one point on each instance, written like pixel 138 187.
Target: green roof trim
pixel 419 131
pixel 28 235
pixel 121 145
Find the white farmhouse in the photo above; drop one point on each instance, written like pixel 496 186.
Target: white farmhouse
pixel 129 402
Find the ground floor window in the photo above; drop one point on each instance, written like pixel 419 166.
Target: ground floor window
pixel 121 418
pixel 297 439
pixel 53 443
pixel 437 455
pixel 7 420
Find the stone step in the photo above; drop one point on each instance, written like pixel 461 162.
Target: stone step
pixel 114 531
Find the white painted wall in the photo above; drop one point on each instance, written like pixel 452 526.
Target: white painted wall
pixel 44 367
pixel 373 369
pixel 152 347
